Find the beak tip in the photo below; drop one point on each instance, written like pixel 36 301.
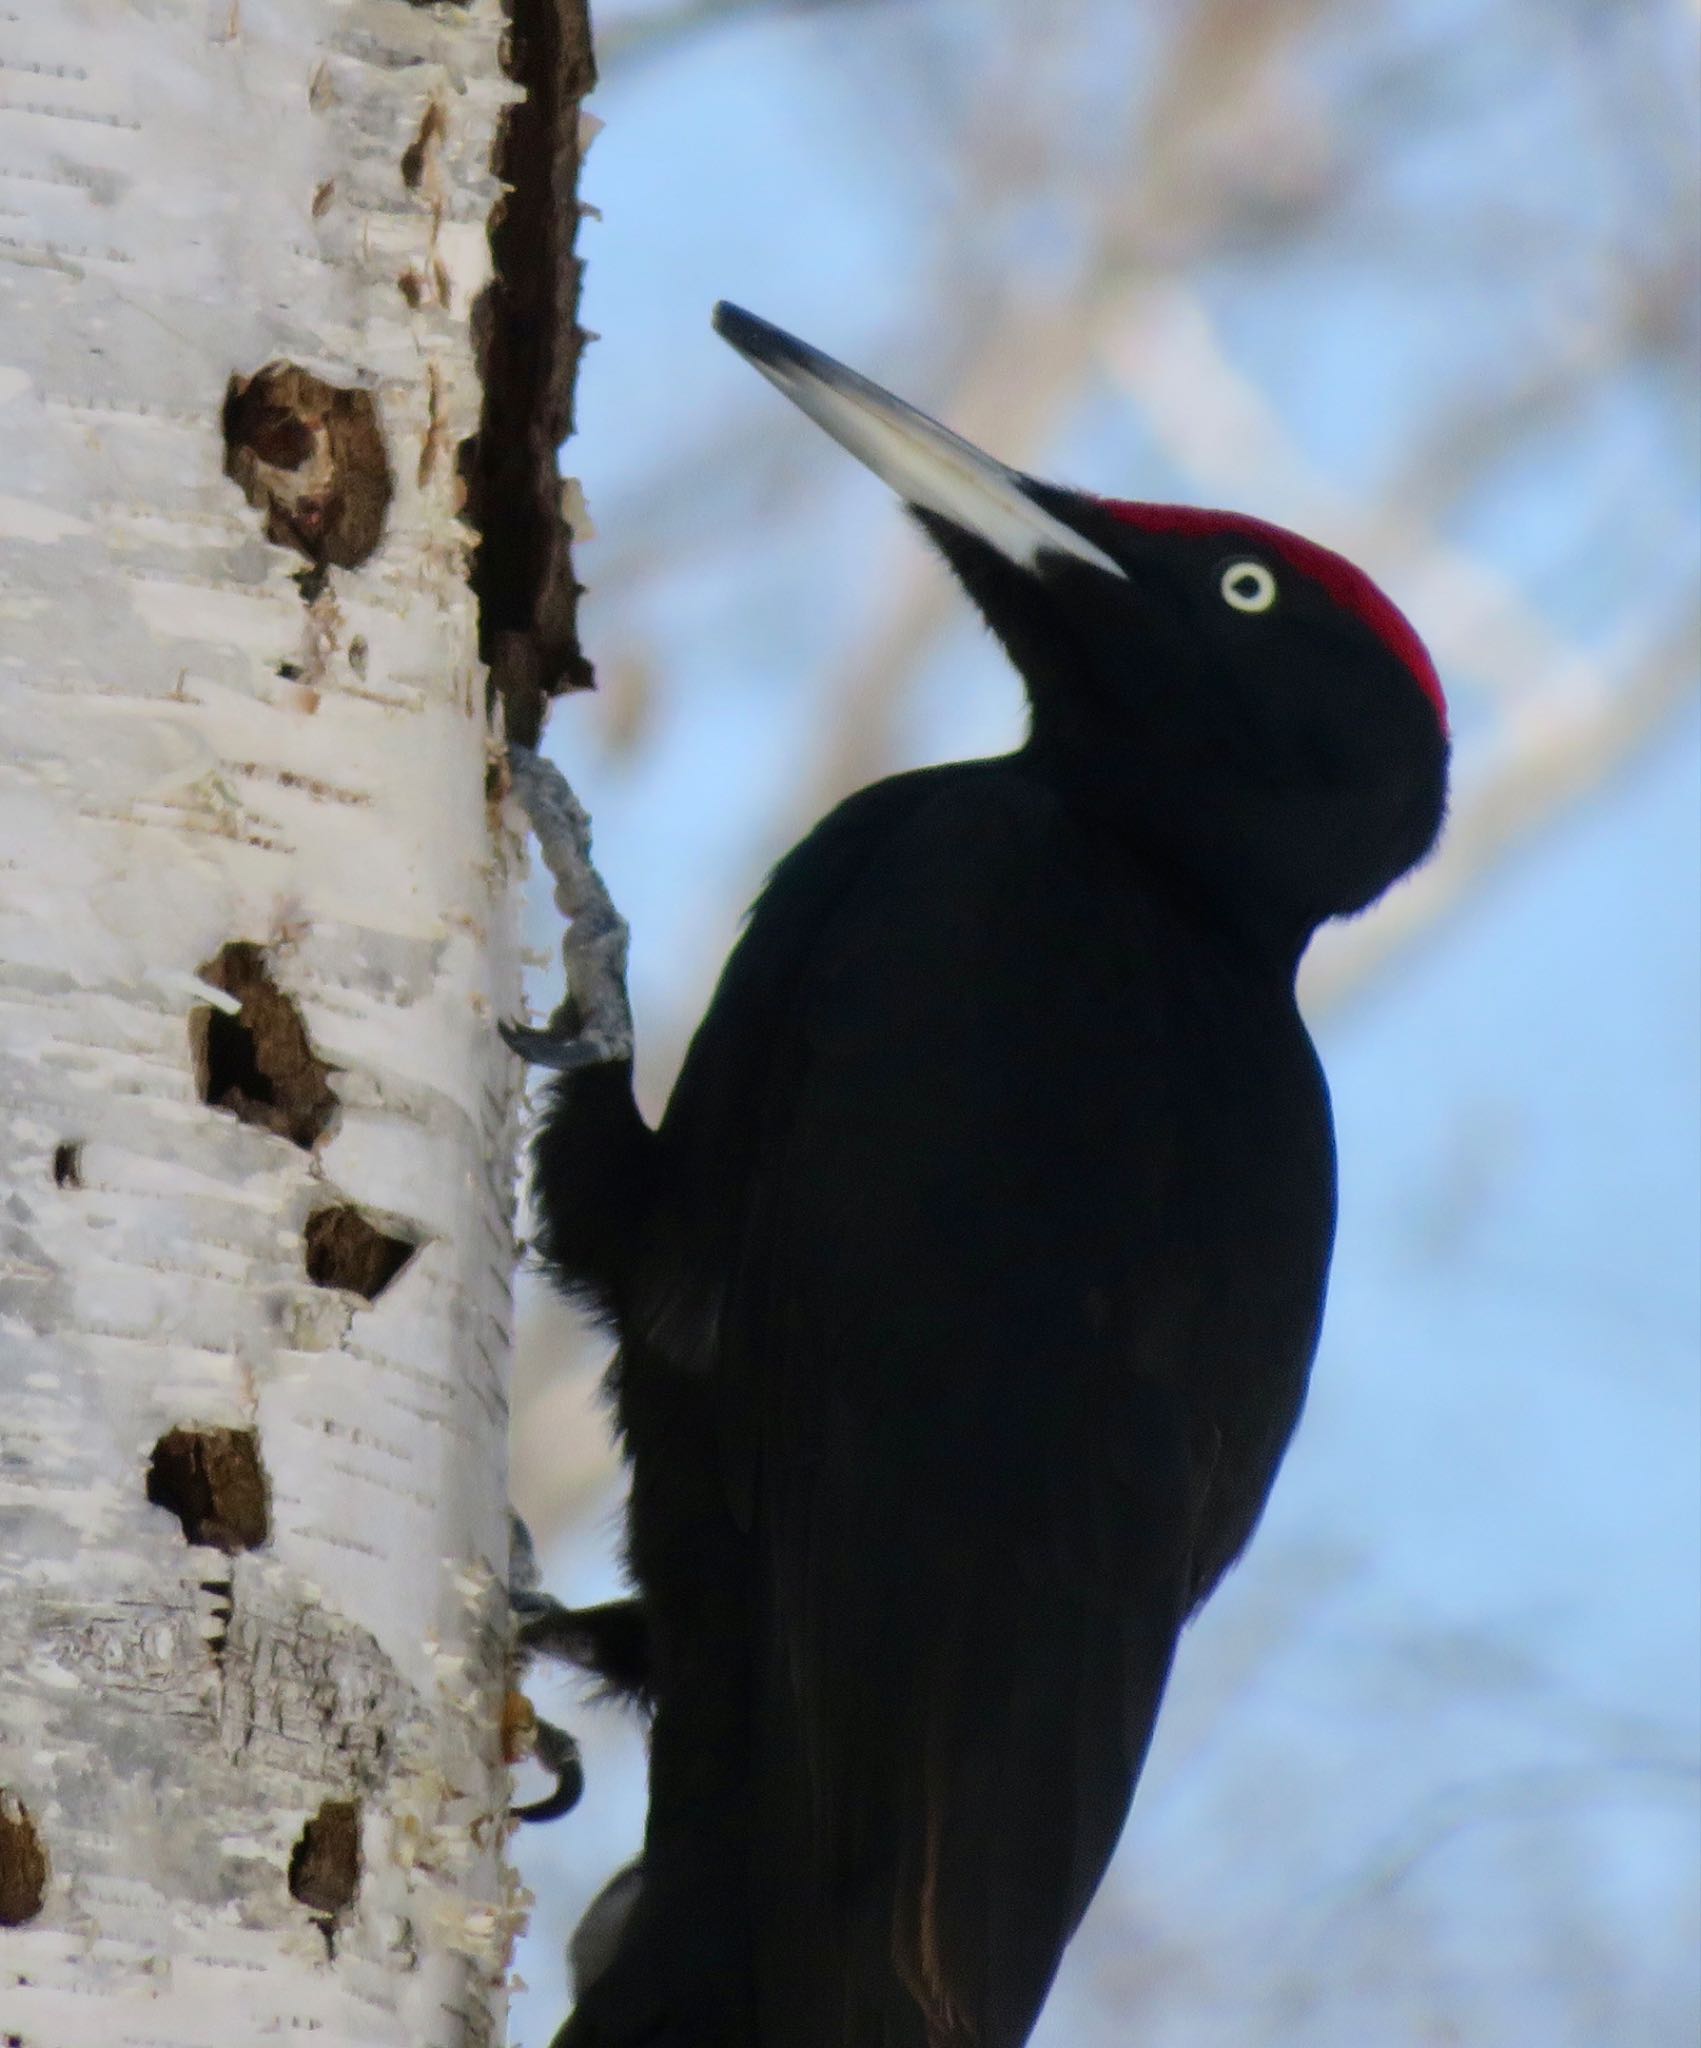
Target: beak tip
pixel 734 325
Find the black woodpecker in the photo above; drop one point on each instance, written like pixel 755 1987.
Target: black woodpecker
pixel 967 1292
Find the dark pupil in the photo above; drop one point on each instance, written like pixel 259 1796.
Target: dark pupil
pixel 1246 584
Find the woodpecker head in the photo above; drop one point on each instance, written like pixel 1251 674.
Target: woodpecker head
pixel 1241 703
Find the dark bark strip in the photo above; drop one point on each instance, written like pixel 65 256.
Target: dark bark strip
pixel 529 340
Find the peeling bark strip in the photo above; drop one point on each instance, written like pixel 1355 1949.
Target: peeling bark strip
pixel 530 342
pixel 258 924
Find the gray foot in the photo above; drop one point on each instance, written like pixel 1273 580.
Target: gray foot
pixel 593 1026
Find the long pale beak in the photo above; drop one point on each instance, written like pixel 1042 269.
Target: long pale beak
pixel 925 463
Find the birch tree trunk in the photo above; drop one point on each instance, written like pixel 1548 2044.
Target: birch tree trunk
pixel 256 924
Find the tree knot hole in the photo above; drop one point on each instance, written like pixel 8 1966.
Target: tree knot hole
pixel 311 456
pixel 324 1865
pixel 255 1062
pixel 213 1482
pixel 347 1249
pixel 23 1863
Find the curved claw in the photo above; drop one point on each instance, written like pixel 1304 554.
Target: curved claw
pixel 561 1055
pixel 525 1575
pixel 559 1754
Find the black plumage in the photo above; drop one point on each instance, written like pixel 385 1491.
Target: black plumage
pixel 967 1292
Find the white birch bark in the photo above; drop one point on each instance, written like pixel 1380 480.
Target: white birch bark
pixel 197 753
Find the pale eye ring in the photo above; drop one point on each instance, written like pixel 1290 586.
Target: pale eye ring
pixel 1248 586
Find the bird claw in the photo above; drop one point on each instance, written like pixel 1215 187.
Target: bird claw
pixel 593 1026
pixel 524 1575
pixel 561 1055
pixel 558 1753
pixel 550 1746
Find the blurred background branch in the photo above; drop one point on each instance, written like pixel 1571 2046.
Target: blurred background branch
pixel 655 31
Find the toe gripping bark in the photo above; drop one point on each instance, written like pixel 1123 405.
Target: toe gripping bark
pixel 611 1642
pixel 593 1026
pixel 551 1747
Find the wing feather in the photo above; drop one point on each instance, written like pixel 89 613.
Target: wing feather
pixel 969 1469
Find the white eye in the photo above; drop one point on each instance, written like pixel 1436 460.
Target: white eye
pixel 1248 586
